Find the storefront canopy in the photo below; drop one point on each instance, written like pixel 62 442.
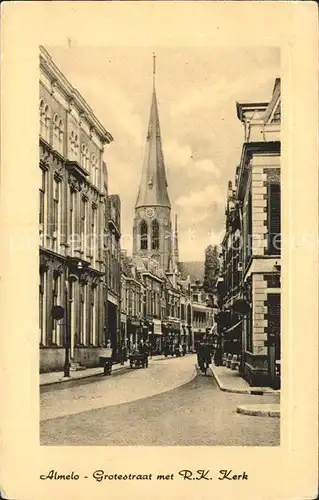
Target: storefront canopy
pixel 232 328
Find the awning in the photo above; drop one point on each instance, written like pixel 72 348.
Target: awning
pixel 232 328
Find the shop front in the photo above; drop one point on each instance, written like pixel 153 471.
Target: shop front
pixel 184 335
pixel 156 336
pixel 133 332
pixel 171 333
pixel 146 330
pixel 232 338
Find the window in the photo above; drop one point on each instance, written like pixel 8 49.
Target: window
pixel 74 146
pixel 83 224
pixel 82 315
pixel 274 222
pixel 55 302
pixel 273 317
pixel 56 214
pixel 249 332
pixel 71 220
pixel 42 204
pixel 182 312
pixel 144 235
pixel 155 235
pixel 60 137
pixel 46 118
pixel 42 118
pixel 85 159
pixel 56 132
pixel 42 308
pixel 248 233
pixel 93 236
pixel 94 171
pixel 92 317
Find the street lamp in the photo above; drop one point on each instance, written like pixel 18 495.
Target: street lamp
pixel 67 321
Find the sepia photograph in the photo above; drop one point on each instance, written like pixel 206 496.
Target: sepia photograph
pixel 160 246
pixel 159 250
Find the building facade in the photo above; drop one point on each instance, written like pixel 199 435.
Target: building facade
pixel 255 226
pixel 73 210
pixel 133 298
pixel 113 271
pixel 202 314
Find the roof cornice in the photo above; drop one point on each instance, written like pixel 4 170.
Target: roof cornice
pixel 50 68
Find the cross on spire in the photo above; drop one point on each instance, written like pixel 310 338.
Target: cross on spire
pixel 154 68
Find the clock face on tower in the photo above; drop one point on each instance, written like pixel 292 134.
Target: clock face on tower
pixel 149 212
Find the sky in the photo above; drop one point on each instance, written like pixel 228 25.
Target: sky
pixel 197 89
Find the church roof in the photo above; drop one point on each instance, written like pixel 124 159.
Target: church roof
pixel 153 185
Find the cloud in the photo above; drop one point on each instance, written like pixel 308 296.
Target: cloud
pixel 221 90
pixel 179 156
pixel 193 244
pixel 202 199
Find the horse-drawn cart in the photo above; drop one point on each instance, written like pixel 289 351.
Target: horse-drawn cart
pixel 138 360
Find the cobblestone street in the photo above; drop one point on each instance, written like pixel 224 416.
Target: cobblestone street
pixel 163 405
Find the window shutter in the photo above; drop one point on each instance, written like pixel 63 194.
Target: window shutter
pixel 274 222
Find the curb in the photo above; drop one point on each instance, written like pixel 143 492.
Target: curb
pixel 256 392
pixel 258 412
pixel 85 377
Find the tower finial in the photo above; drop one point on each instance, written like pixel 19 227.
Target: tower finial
pixel 154 68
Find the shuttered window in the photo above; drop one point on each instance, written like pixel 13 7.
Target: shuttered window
pixel 273 319
pixel 274 222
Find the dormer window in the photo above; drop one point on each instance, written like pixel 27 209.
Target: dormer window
pixel 150 183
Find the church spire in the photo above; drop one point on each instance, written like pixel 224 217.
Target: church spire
pixel 153 185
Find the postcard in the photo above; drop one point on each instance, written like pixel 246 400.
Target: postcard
pixel 159 271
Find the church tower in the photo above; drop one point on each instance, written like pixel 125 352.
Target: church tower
pixel 152 229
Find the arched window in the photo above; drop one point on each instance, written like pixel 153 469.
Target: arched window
pixel 44 120
pixel 144 235
pixel 42 117
pixel 60 138
pixel 72 151
pixel 83 155
pixel 94 172
pixel 87 159
pixel 155 235
pixel 56 132
pixel 76 146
